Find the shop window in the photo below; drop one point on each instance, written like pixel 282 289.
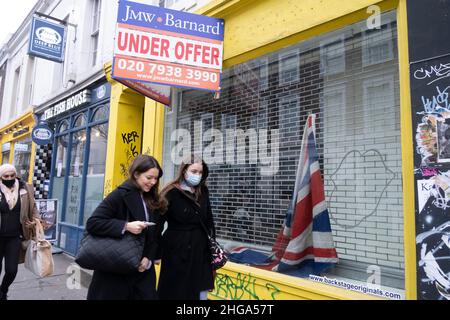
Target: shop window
pixel 377 46
pixel 379 99
pixel 75 177
pixel 60 169
pixel 289 67
pixel 96 169
pixel 101 113
pixel 6 151
pixel 334 106
pixel 22 156
pixel 357 139
pixel 5 157
pixel 332 54
pixel 264 74
pixel 63 127
pixel 80 121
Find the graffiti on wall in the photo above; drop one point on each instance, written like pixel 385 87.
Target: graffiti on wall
pixel 431 113
pixel 130 140
pixel 244 287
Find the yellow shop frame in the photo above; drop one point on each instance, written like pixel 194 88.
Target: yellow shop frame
pixel 16 131
pixel 300 20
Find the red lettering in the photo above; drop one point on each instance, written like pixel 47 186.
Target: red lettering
pixel 145 44
pixel 215 56
pixel 155 46
pixel 122 43
pixel 189 47
pixel 134 43
pixel 165 44
pixel 197 52
pixel 206 54
pixel 179 50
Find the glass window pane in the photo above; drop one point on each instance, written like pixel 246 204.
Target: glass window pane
pixel 75 177
pixel 96 169
pixel 63 127
pixel 5 157
pixel 358 143
pixel 22 156
pixel 60 170
pixel 80 121
pixel 101 113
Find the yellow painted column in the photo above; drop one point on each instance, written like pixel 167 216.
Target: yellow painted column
pixel 11 153
pixel 32 157
pixel 153 139
pixel 124 134
pixel 407 155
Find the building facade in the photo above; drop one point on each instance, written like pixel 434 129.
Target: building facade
pixel 346 62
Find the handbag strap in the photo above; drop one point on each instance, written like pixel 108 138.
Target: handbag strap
pixel 203 225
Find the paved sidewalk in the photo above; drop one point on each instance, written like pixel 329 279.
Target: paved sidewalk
pixel 27 286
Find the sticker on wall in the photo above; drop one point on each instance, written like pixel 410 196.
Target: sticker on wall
pixel 443 139
pixel 426 140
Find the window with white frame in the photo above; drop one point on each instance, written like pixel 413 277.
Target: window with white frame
pixel 96 14
pixel 334 102
pixel 379 100
pixel 377 46
pixel 289 67
pixel 332 56
pixel 16 88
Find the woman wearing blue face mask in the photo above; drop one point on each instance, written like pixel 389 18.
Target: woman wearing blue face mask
pixel 186 271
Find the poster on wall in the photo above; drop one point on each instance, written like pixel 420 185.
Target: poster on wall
pixel 48 211
pixel 167 47
pixel 430 101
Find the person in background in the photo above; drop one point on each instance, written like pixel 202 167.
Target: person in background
pixel 186 270
pixel 17 219
pixel 130 208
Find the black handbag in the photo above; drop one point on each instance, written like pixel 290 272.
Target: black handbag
pixel 115 255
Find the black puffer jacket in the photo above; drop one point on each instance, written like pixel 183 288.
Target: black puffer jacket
pixel 109 219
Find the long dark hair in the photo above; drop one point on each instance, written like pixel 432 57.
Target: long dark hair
pixel 188 161
pixel 141 164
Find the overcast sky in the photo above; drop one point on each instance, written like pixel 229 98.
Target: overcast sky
pixel 12 16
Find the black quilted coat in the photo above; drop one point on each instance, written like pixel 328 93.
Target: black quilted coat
pixel 186 260
pixel 109 219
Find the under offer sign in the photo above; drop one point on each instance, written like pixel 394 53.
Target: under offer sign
pixel 168 47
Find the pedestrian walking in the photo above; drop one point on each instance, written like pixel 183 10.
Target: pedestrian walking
pixel 130 208
pixel 186 271
pixel 17 214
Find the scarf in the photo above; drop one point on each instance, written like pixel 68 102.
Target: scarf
pixel 11 195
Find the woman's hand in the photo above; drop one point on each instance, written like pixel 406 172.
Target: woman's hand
pixel 135 227
pixel 145 263
pixel 29 224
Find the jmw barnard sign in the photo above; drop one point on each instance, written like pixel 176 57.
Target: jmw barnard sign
pixel 77 100
pixel 168 47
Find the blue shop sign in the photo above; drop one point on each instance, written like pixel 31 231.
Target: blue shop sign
pixel 42 134
pixel 47 40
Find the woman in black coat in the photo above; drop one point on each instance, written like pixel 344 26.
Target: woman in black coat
pixel 129 208
pixel 186 271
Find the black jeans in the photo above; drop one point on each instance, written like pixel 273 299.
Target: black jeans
pixel 10 251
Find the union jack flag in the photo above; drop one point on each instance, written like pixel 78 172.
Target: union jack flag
pixel 306 234
pixel 305 244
